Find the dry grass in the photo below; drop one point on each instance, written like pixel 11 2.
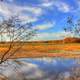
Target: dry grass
pixel 44 50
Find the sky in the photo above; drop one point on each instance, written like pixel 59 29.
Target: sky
pixel 49 16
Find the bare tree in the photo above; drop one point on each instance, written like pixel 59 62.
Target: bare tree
pixel 73 27
pixel 14 31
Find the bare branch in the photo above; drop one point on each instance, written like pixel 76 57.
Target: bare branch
pixel 16 32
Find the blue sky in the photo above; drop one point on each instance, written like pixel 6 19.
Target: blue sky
pixel 49 16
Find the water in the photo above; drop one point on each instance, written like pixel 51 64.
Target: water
pixel 52 66
pixel 40 68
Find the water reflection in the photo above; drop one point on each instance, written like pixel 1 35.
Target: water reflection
pixel 41 69
pixel 54 66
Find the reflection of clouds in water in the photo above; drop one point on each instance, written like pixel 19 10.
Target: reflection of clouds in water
pixel 66 74
pixel 52 61
pixel 31 70
pixel 25 70
pixel 38 69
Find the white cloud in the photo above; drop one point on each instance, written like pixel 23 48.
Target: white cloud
pixel 62 6
pixel 4 10
pixel 11 9
pixel 52 36
pixel 36 11
pixel 47 4
pixel 28 18
pixel 46 25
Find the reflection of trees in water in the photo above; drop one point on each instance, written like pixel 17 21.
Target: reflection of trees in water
pixel 19 70
pixel 2 77
pixel 72 74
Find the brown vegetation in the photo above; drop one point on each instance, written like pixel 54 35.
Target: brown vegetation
pixel 72 40
pixel 57 48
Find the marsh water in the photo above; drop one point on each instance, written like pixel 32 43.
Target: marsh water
pixel 41 69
